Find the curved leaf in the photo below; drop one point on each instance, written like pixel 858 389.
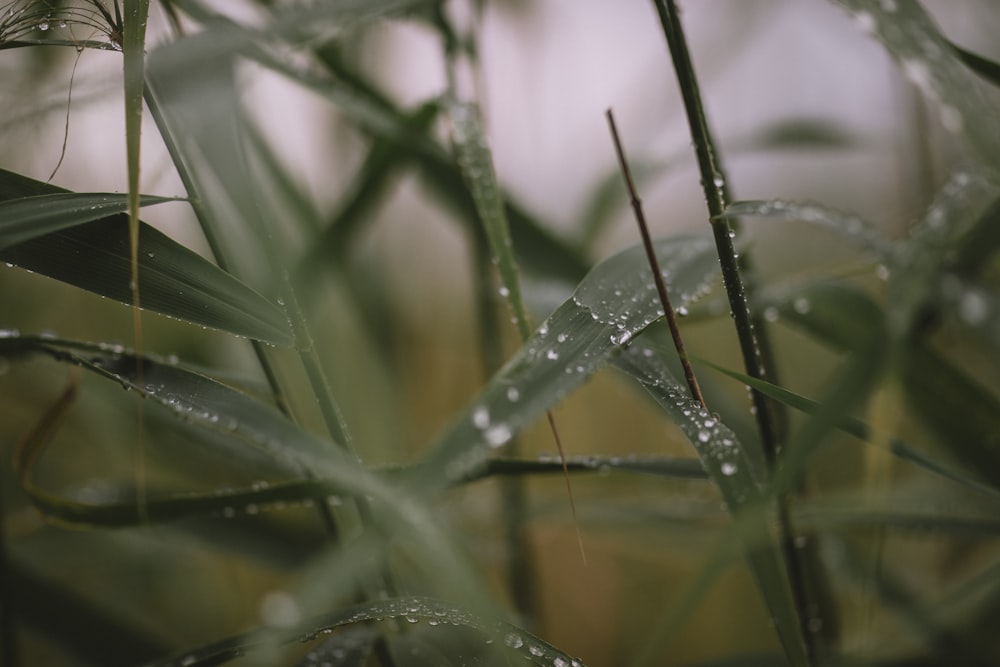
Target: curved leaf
pixel 737 475
pixel 509 638
pixel 930 62
pixel 612 304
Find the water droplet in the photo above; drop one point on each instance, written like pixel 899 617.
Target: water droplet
pixel 43 26
pixel 412 619
pixel 973 308
pixel 866 22
pixel 802 305
pixel 704 436
pixel 951 118
pixel 481 417
pixel 728 469
pixel 279 609
pixel 513 640
pixel 552 355
pixel 536 651
pixel 882 272
pixel 562 338
pixel 918 73
pixel 513 394
pixel 559 662
pixel 621 338
pixel 498 435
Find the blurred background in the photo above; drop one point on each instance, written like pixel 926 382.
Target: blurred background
pixel 804 105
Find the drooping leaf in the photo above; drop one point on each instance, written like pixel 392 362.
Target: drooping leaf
pixel 610 306
pixel 930 62
pixel 738 476
pixel 984 67
pixel 860 430
pixel 958 408
pixel 513 641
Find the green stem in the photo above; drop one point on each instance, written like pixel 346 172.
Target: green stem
pixel 522 576
pixel 756 357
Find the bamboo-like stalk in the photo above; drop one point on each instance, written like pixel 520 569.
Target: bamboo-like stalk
pixel 756 357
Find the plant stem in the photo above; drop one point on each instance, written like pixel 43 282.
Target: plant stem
pixel 654 265
pixel 755 358
pixel 522 576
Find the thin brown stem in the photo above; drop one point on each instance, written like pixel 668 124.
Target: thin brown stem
pixel 654 263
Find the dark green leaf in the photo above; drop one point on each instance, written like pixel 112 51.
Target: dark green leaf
pixel 26 218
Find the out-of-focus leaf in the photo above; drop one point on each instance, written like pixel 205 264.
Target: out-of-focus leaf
pixel 798 134
pixel 930 62
pixel 851 227
pixel 513 641
pixel 349 647
pixel 858 429
pixel 984 67
pixel 81 627
pixel 961 411
pixel 476 163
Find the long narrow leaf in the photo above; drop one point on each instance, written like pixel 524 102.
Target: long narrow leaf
pixel 610 306
pixel 177 282
pixel 928 60
pixel 26 218
pixel 509 638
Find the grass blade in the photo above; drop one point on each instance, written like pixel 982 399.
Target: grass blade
pixel 30 217
pixel 610 306
pixel 928 60
pixel 510 639
pixel 177 282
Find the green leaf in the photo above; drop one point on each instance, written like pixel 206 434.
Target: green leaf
pixel 930 62
pixel 508 638
pixel 476 162
pixel 610 306
pixel 849 226
pixel 984 67
pixel 175 281
pixel 25 218
pixel 963 413
pixel 858 429
pixel 737 475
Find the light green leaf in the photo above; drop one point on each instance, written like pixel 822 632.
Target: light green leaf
pixel 928 60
